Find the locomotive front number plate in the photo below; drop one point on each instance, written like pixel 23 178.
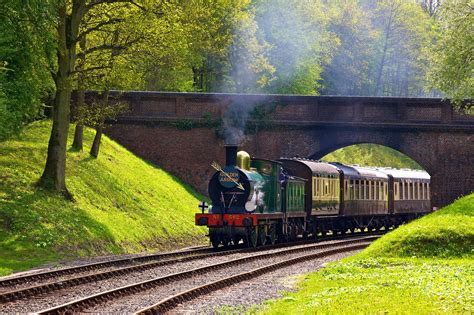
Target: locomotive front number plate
pixel 229 177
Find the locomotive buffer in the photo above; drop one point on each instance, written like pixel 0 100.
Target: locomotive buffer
pixel 203 206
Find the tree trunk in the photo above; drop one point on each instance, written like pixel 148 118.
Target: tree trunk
pixel 96 144
pixel 378 84
pixel 98 134
pixel 77 144
pixel 54 175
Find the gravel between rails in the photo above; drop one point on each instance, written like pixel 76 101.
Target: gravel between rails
pixel 81 274
pixel 248 295
pixel 136 302
pixel 62 296
pixel 90 260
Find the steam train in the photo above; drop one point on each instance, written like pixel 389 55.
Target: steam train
pixel 259 201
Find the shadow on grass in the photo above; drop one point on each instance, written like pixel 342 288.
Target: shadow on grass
pixel 44 227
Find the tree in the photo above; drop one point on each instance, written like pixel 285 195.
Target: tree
pixel 300 43
pixel 95 115
pixel 70 16
pixel 405 37
pixel 348 73
pixel 452 67
pixel 26 56
pixel 431 6
pixel 250 69
pixel 106 34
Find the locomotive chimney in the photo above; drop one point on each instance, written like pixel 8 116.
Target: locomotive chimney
pixel 230 154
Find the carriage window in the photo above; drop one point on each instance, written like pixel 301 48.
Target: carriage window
pixel 367 188
pixel 381 191
pixel 331 187
pixel 346 189
pixel 351 189
pixel 314 187
pixel 377 190
pixel 356 190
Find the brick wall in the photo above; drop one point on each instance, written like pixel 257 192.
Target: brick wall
pixel 427 130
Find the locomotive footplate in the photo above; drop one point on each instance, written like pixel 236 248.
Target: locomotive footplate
pixel 219 220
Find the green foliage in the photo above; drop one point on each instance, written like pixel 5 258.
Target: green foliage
pixel 446 233
pixel 424 267
pixel 349 72
pixel 371 155
pixel 296 32
pixel 96 113
pixel 116 210
pixel 452 68
pixel 26 56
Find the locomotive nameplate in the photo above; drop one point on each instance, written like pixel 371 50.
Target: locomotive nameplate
pixel 229 177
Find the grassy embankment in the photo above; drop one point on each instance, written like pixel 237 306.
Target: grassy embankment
pixel 424 267
pixel 369 154
pixel 122 204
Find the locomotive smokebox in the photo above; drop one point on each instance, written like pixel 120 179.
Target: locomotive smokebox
pixel 230 155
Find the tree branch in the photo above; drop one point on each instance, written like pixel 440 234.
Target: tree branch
pixel 101 47
pixel 91 69
pixel 94 3
pixel 98 26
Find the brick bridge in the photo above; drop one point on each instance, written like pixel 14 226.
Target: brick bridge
pixel 179 132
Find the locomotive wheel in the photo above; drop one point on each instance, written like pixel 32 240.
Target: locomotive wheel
pixel 293 233
pixel 252 238
pixel 236 241
pixel 272 235
pixel 215 242
pixel 262 235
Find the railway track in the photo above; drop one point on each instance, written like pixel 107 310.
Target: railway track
pixel 209 277
pixel 19 280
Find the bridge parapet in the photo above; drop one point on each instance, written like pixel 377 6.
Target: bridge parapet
pixel 415 112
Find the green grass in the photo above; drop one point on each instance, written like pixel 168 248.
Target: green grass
pixel 446 233
pixel 424 267
pixel 369 154
pixel 122 204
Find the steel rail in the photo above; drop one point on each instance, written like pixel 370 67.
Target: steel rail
pixel 185 296
pixel 86 302
pixel 88 267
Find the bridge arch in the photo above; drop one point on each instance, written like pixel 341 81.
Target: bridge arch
pixel 423 162
pixel 375 149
